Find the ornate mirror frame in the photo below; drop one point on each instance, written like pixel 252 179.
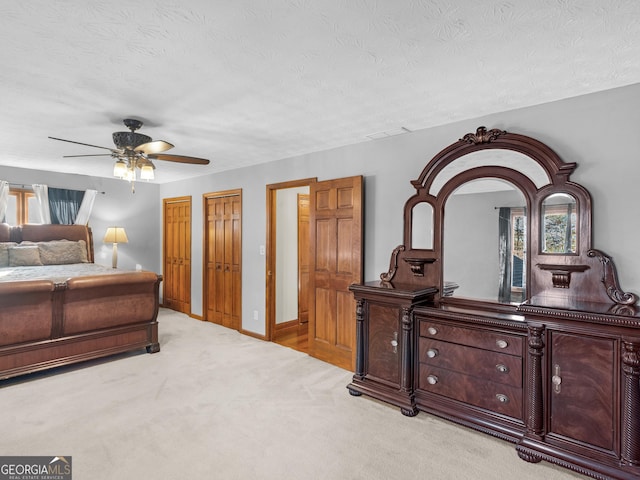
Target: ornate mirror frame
pixel 583 275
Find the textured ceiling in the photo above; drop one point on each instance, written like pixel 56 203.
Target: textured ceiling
pixel 248 81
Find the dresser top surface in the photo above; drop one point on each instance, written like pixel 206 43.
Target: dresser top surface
pixel 551 304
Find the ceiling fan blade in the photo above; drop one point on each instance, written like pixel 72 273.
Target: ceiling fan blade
pixel 80 143
pixel 89 155
pixel 157 146
pixel 180 159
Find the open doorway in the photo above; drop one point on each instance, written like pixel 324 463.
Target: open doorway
pixel 288 263
pixel 335 256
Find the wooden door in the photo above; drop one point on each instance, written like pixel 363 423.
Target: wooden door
pixel 303 258
pixel 223 246
pixel 335 220
pixel 176 285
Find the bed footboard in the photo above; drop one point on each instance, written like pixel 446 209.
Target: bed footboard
pixel 45 324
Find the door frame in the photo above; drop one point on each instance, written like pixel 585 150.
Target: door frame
pixel 270 251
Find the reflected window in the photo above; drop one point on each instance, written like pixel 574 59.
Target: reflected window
pixel 518 252
pixel 559 218
pixel 512 254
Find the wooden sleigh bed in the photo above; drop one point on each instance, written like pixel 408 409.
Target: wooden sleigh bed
pixel 57 307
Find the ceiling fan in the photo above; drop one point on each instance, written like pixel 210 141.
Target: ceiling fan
pixel 135 151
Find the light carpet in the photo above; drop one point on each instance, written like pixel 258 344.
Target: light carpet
pixel 215 404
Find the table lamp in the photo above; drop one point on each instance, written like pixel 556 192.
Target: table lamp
pixel 115 235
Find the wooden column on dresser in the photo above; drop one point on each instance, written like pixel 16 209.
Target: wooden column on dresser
pixel 386 341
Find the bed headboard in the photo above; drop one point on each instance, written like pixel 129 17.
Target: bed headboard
pixel 46 233
pixel 5 232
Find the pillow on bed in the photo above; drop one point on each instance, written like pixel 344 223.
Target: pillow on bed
pixel 63 252
pixel 4 253
pixel 25 255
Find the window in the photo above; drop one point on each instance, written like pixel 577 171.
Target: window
pixel 559 216
pixel 560 229
pixel 518 251
pixel 22 207
pixel 512 254
pixel 556 225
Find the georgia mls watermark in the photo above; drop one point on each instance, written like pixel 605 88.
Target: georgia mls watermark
pixel 35 468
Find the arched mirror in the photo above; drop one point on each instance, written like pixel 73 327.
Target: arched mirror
pixel 422 226
pixel 485 240
pixel 559 220
pixel 496 218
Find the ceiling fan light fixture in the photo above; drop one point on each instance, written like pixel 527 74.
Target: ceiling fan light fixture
pixel 130 175
pixel 135 151
pixel 146 173
pixel 120 169
pixel 129 140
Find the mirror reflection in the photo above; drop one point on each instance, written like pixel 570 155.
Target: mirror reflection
pixel 485 240
pixel 559 217
pixel 496 157
pixel 422 226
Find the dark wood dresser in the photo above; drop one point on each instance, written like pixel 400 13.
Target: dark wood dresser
pixel 552 362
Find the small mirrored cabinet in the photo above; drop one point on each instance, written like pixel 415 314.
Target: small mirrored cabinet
pixel 497 313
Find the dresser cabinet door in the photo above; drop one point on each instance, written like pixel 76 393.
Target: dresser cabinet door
pixel 383 361
pixel 582 386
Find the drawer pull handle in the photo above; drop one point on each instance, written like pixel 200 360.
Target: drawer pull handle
pixel 432 379
pixel 502 398
pixel 556 379
pixel 432 352
pixel 502 368
pixel 394 342
pixel 502 343
pixel 432 330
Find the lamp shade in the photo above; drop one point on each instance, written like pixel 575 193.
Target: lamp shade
pixel 116 235
pixel 146 172
pixel 120 169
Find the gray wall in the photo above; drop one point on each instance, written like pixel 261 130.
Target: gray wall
pixel 598 131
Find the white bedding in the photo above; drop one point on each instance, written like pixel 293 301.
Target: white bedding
pixel 55 273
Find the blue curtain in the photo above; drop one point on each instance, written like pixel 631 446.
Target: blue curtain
pixel 64 205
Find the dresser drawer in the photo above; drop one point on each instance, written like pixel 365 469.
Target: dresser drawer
pixel 499 398
pixel 496 341
pixel 485 364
